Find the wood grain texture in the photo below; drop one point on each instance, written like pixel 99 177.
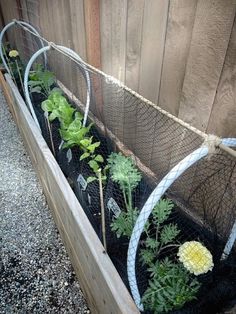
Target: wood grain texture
pixel 92 28
pixel 153 42
pixel 101 284
pixel 178 37
pixel 10 11
pixel 113 16
pixel 135 10
pixel 6 93
pixel 211 33
pixel 222 121
pixel 78 27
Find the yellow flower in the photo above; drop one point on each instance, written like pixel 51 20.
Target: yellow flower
pixel 13 54
pixel 195 257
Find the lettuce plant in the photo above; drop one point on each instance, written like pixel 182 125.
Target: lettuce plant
pixel 124 172
pixel 57 107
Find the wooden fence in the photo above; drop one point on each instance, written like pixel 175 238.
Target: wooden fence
pixel 180 54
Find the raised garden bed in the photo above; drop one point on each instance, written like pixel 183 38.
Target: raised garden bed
pixel 91 262
pixel 99 280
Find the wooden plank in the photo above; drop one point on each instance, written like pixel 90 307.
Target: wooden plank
pixel 78 27
pixel 179 32
pixel 211 33
pixel 135 12
pixel 113 37
pixel 103 288
pixel 153 42
pixel 92 27
pixel 10 12
pixel 222 120
pixel 113 16
pixel 6 93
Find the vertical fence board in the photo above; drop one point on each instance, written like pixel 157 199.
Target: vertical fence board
pixel 10 12
pixel 135 11
pixel 223 117
pixel 78 27
pixel 179 52
pixel 92 27
pixel 211 32
pixel 153 42
pixel 179 31
pixel 113 15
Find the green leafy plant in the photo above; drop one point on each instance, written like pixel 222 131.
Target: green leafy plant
pixel 164 235
pixel 57 107
pixel 42 81
pixel 170 287
pixel 75 134
pixel 95 160
pixel 124 172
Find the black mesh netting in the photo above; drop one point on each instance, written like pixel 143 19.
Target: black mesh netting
pixel 203 198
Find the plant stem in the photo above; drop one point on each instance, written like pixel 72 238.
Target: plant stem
pixel 50 134
pixel 167 246
pixel 8 62
pixel 125 199
pixel 102 209
pixel 157 234
pixel 18 70
pixel 130 204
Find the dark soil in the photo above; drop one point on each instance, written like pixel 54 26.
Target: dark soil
pixel 218 289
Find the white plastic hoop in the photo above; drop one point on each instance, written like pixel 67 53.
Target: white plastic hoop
pixel 154 197
pixel 1 38
pixel 26 77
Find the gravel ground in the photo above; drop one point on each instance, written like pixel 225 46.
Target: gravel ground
pixel 36 275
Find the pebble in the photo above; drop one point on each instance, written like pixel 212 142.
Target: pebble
pixel 36 275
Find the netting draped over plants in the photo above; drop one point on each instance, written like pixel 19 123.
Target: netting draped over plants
pixel 198 208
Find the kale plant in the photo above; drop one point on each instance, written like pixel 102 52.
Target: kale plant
pixel 126 175
pixel 170 287
pixel 42 81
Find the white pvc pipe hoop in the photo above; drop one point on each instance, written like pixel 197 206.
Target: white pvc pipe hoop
pixel 9 25
pixel 74 55
pixel 154 197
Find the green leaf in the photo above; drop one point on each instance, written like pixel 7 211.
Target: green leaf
pixel 123 224
pixel 85 155
pixel 36 89
pixel 91 179
pixel 104 178
pixel 86 142
pixel 170 288
pixel 94 165
pixel 169 233
pixel 99 158
pixel 162 210
pixel 47 105
pixel 93 146
pixel 56 89
pixel 123 171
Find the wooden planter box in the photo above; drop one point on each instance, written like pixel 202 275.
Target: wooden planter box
pixel 101 284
